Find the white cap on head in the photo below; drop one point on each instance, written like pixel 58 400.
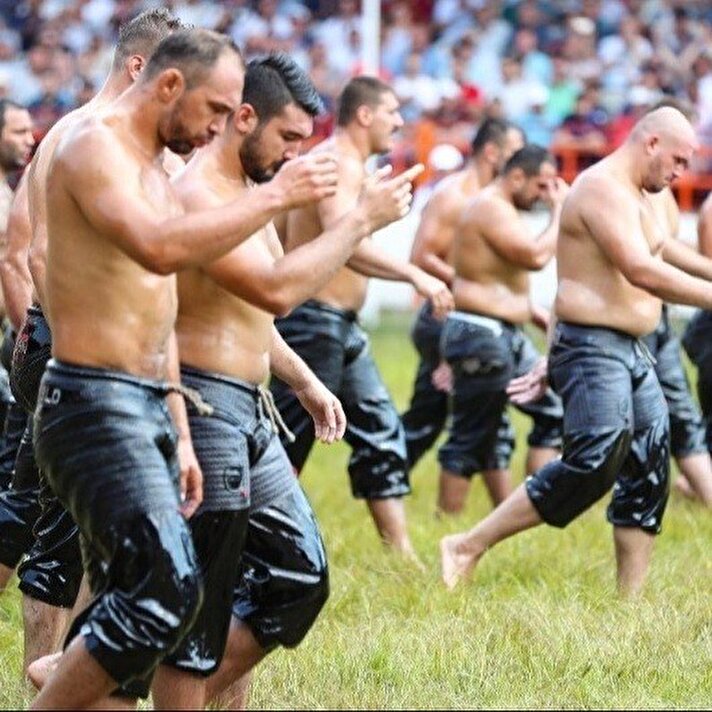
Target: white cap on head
pixel 445 157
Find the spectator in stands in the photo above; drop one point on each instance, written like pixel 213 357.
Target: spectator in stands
pixel 518 94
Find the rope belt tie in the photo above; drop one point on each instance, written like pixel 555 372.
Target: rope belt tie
pixel 645 352
pixel 191 395
pixel 268 408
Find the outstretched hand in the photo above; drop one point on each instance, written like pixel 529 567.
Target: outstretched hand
pixel 531 386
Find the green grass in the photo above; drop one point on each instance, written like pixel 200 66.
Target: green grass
pixel 540 626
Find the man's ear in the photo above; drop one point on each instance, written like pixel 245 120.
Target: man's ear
pixel 135 65
pixel 364 115
pixel 170 85
pixel 245 119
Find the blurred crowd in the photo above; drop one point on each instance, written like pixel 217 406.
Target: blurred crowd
pixel 574 72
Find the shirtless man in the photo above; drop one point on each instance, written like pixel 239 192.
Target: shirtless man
pixel 687 431
pixel 482 340
pixel 228 345
pixel 612 281
pixel 110 429
pixel 51 573
pixel 324 330
pixel 425 418
pixel 16 143
pixel 697 340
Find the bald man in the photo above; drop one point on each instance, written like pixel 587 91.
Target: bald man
pixel 612 280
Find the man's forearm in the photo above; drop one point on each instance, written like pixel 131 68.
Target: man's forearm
pixel 301 273
pixel 17 289
pixel 287 365
pixel 688 259
pixel 175 401
pixel 437 267
pixel 370 261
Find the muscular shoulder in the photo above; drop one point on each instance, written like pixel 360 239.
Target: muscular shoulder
pixel 486 208
pixel 193 190
pixel 597 192
pixel 88 144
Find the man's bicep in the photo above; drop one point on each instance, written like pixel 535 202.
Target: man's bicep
pixel 331 210
pixel 615 227
pixel 108 194
pixel 433 235
pixel 244 271
pixel 503 230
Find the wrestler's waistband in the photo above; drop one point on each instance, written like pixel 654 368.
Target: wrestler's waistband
pixel 224 392
pixel 603 337
pixel 57 369
pixel 314 305
pixel 233 396
pixel 493 324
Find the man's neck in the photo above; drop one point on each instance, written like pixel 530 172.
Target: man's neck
pixel 141 115
pixel 483 171
pixel 224 153
pixel 353 141
pixel 115 85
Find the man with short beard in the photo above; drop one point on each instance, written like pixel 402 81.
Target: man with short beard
pixel 228 345
pixel 16 143
pixel 482 341
pixel 32 520
pixel 612 281
pixel 324 330
pixel 111 430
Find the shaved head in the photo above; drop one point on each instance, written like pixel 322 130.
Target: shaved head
pixel 665 142
pixel 665 121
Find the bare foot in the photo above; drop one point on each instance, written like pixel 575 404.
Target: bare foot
pixel 39 670
pixel 456 563
pixel 682 486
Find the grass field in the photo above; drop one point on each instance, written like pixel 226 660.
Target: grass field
pixel 539 627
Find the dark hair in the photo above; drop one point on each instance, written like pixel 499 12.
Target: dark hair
pixel 529 159
pixel 143 33
pixel 6 104
pixel 275 81
pixel 193 52
pixel 360 91
pixel 490 131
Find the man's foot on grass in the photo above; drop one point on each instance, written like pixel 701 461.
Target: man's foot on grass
pixel 39 671
pixel 457 562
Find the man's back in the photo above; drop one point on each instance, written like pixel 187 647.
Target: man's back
pixel 347 289
pixel 487 281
